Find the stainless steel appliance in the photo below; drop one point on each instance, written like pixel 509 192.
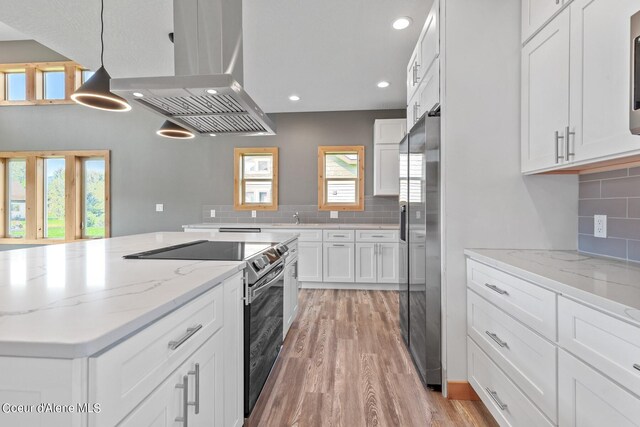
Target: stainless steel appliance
pixel 264 299
pixel 634 113
pixel 420 287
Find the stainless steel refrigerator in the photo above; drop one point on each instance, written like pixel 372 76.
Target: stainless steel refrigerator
pixel 420 302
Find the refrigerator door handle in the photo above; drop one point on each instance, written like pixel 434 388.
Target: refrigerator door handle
pixel 403 223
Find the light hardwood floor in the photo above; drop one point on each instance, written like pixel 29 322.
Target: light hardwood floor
pixel 344 364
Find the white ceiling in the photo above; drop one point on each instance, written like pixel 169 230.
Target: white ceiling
pixel 331 52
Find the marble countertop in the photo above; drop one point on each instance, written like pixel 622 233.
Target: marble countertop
pixel 608 284
pixel 73 300
pixel 323 226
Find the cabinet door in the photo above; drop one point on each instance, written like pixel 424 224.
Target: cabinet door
pixel 288 298
pixel 388 263
pixel 389 131
pixel 339 262
pixel 211 362
pixel 234 353
pixel 545 95
pixel 412 73
pixel 386 169
pixel 589 399
pixel 366 262
pixel 600 76
pixel 429 90
pixel 310 261
pixel 429 41
pixel 535 13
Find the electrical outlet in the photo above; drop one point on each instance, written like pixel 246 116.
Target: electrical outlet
pixel 600 226
pixel 254 214
pixel 159 207
pixel 212 214
pixel 333 214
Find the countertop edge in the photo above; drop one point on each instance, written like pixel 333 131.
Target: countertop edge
pixel 113 337
pixel 341 226
pixel 595 301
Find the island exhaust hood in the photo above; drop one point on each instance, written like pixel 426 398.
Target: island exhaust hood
pixel 206 95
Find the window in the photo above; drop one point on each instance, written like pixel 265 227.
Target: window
pixel 15 86
pixel 40 83
pixel 54 196
pixel 53 84
pixel 341 178
pixel 411 178
pixel 256 178
pixel 86 75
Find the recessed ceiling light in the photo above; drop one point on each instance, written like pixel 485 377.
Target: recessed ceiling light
pixel 212 134
pixel 212 91
pixel 294 98
pixel 138 94
pixel 383 84
pixel 402 23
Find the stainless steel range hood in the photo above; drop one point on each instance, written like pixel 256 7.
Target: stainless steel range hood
pixel 206 94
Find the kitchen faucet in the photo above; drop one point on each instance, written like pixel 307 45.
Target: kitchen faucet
pixel 297 217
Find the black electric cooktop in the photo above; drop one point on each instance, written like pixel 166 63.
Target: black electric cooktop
pixel 205 250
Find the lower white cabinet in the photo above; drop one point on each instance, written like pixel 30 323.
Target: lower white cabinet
pixel 589 399
pixel 290 295
pixel 366 260
pixel 338 263
pixel 377 263
pixel 310 261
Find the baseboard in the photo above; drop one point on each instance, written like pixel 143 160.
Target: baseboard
pixel 461 390
pixel 353 286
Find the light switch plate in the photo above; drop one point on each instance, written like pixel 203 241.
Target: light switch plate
pixel 159 207
pixel 212 214
pixel 254 214
pixel 333 214
pixel 600 226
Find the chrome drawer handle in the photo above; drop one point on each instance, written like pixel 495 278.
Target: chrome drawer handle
pixel 636 366
pixel 495 398
pixel 339 235
pixel 378 237
pixel 196 372
pixel 496 339
pixel 335 245
pixel 190 332
pixel 496 289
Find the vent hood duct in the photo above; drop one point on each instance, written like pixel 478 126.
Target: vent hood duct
pixel 206 94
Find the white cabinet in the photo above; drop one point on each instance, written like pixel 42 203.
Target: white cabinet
pixel 535 13
pixel 589 399
pixel 290 295
pixel 545 95
pixel 423 58
pixel 366 260
pixel 234 352
pixel 310 261
pixel 387 136
pixel 600 76
pixel 427 97
pixel 388 263
pixel 412 73
pixel 339 262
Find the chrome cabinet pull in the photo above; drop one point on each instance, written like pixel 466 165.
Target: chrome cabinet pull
pixel 636 366
pixel 496 339
pixel 336 245
pixel 339 235
pixel 184 419
pixel 196 403
pixel 567 140
pixel 415 73
pixel 558 138
pixel 495 398
pixel 378 237
pixel 190 332
pixel 496 289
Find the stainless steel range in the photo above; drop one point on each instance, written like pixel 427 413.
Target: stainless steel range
pixel 263 295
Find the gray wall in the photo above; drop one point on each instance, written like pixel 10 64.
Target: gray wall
pixel 184 175
pixel 615 194
pixel 487 201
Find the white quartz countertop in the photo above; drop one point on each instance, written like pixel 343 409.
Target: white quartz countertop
pixel 324 226
pixel 611 285
pixel 73 300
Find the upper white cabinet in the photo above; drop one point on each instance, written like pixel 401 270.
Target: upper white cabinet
pixel 422 63
pixel 387 136
pixel 545 95
pixel 576 82
pixel 535 13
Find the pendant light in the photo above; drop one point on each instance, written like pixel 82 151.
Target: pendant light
pixel 172 130
pixel 96 92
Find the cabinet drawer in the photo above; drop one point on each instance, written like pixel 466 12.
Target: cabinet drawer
pixel 528 359
pixel 305 235
pixel 532 305
pixel 508 405
pixel 609 344
pixel 588 398
pixel 123 376
pixel 338 235
pixel 376 236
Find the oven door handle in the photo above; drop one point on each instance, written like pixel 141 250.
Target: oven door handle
pixel 262 288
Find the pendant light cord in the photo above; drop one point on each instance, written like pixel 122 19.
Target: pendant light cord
pixel 102 32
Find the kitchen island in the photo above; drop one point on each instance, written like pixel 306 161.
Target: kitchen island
pixel 108 339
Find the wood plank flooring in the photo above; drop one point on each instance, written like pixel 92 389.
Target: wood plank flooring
pixel 344 364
